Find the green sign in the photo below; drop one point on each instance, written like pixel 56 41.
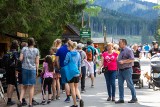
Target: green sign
pixel 85 33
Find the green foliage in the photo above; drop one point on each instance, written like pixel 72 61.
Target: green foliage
pixel 156 7
pixel 157 34
pixel 41 19
pixel 93 10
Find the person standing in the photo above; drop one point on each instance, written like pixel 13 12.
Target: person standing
pixel 56 79
pixel 109 61
pixel 60 57
pixel 136 52
pixel 125 63
pixel 10 63
pixel 154 50
pixel 83 67
pixel 48 70
pixel 75 57
pixel 90 52
pixel 30 64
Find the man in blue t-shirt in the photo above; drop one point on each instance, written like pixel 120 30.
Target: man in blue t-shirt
pixel 60 57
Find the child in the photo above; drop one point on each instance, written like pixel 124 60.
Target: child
pixel 47 78
pixel 56 83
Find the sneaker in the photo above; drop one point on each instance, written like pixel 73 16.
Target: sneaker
pixel 92 86
pixel 67 100
pixel 74 106
pixel 58 97
pixel 109 99
pixel 77 99
pixel 53 98
pixel 49 101
pixel 10 103
pixel 43 102
pixel 83 90
pixel 34 102
pixel 24 103
pixel 81 103
pixel 113 98
pixel 133 100
pixel 119 101
pixel 63 91
pixel 19 104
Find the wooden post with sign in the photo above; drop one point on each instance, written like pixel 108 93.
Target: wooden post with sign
pixel 85 34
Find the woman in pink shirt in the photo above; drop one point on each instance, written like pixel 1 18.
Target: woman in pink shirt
pixel 109 61
pixel 48 70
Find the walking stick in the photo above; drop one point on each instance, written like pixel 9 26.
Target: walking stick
pixel 16 86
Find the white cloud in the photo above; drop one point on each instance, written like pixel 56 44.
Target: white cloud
pixel 154 1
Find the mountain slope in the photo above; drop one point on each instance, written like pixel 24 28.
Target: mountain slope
pixel 132 7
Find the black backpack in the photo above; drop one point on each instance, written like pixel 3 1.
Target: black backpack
pixel 10 60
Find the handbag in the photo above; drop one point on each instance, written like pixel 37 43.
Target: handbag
pixel 104 69
pixel 71 69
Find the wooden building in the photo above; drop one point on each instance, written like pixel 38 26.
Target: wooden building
pixel 71 32
pixel 5 42
pixel 100 42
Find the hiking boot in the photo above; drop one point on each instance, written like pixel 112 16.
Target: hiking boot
pixel 67 100
pixel 133 100
pixel 34 102
pixel 10 103
pixel 81 103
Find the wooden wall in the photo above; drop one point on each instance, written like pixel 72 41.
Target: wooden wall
pixel 5 43
pixel 100 45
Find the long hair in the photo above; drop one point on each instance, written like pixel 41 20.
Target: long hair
pixel 48 60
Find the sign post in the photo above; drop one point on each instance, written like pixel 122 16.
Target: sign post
pixel 85 33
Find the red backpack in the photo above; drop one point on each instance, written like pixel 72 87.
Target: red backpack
pixel 89 53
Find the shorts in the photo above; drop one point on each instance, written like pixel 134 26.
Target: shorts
pixel 90 68
pixel 74 80
pixel 28 77
pixel 10 76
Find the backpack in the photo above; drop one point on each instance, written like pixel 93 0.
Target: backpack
pixel 10 60
pixel 80 52
pixel 89 53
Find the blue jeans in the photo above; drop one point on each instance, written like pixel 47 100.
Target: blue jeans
pixel 126 75
pixel 110 77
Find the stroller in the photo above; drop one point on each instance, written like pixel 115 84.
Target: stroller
pixel 136 75
pixel 155 72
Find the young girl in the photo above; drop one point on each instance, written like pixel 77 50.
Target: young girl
pixel 56 83
pixel 47 78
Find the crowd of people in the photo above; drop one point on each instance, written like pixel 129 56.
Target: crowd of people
pixel 66 64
